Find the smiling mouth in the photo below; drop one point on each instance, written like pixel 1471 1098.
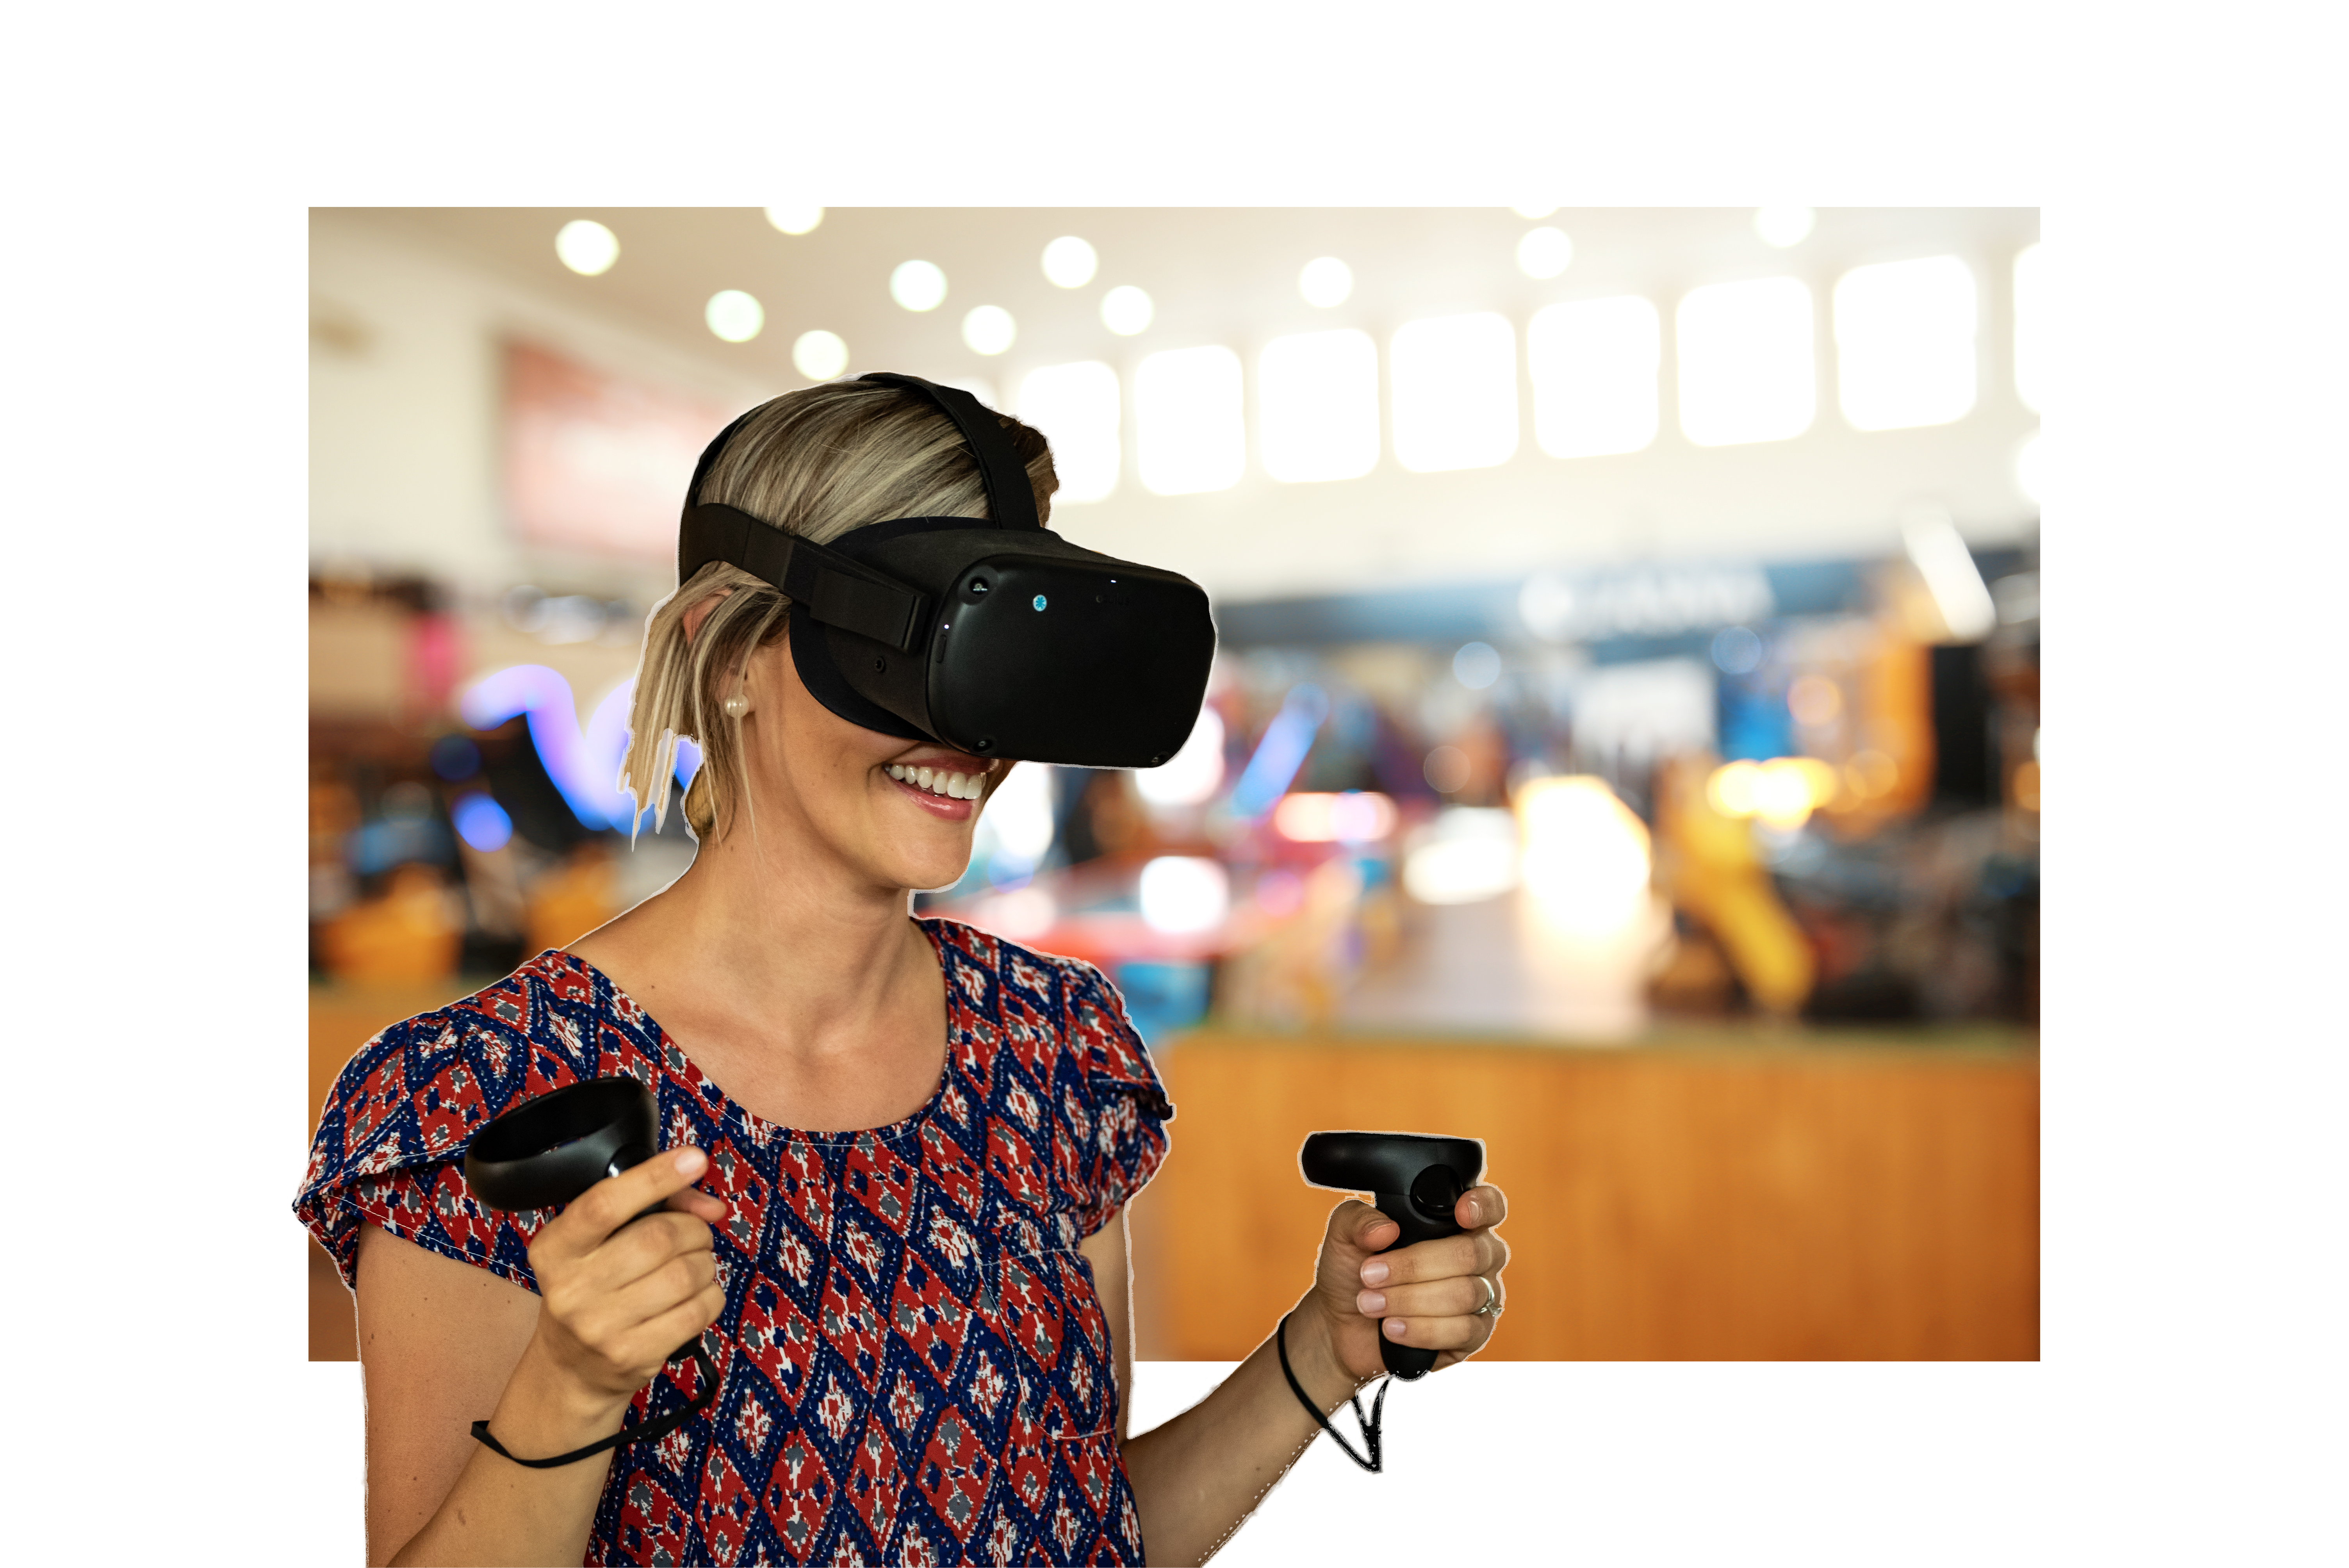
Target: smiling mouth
pixel 942 782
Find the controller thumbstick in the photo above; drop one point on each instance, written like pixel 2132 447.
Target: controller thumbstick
pixel 1434 1194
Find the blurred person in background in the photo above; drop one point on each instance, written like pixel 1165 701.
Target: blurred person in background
pixel 954 1332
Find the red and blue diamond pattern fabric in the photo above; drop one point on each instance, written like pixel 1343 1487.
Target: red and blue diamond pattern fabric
pixel 916 1366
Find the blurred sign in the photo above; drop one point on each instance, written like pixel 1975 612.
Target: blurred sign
pixel 1647 602
pixel 594 461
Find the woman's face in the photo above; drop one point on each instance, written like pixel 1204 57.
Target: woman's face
pixel 859 793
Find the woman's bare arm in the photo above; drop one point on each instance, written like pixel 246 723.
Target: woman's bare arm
pixel 1198 1477
pixel 443 1344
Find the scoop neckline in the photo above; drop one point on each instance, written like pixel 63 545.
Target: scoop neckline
pixel 758 1128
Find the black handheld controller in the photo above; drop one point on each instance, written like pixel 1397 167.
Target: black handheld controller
pixel 551 1148
pixel 1415 1178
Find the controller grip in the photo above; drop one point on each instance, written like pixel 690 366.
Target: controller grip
pixel 1409 1361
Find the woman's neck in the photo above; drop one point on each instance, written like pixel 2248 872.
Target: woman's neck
pixel 796 983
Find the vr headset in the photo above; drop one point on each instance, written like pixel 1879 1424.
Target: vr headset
pixel 995 636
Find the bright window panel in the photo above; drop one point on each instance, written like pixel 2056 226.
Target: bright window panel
pixel 1905 343
pixel 1593 365
pixel 1076 406
pixel 2027 373
pixel 1318 406
pixel 1189 436
pixel 1747 372
pixel 1455 392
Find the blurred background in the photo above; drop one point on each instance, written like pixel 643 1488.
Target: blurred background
pixel 1624 745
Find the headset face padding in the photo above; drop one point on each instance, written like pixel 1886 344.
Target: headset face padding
pixel 992 636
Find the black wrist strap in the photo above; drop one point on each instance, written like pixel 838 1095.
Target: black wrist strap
pixel 1370 1423
pixel 646 1433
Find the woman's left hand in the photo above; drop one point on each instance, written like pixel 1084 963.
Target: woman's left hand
pixel 1427 1294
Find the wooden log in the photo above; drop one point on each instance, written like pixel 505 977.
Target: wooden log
pixel 1378 1545
pixel 1260 1545
pixel 1413 1410
pixel 1479 1393
pixel 1438 1479
pixel 1324 1489
pixel 1490 1524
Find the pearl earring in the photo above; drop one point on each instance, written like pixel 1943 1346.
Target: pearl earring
pixel 736 705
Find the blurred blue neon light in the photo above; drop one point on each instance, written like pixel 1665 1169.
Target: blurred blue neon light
pixel 483 824
pixel 585 766
pixel 1281 752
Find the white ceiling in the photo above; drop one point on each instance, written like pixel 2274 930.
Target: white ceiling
pixel 1217 275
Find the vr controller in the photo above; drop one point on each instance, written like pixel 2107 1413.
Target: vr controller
pixel 994 635
pixel 550 1148
pixel 1415 1179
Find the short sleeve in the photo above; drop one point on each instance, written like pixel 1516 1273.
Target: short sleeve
pixel 1130 1109
pixel 388 1147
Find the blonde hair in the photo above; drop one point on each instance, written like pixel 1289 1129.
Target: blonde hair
pixel 817 464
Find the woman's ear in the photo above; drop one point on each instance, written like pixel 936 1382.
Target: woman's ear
pixel 698 613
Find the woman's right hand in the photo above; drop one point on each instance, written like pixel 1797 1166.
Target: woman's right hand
pixel 618 1299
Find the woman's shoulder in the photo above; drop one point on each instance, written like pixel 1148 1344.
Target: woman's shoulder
pixel 416 1091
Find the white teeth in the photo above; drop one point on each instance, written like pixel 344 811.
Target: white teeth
pixel 938 781
pixel 922 777
pixel 897 772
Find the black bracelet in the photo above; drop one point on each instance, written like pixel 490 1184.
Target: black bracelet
pixel 1370 1423
pixel 646 1433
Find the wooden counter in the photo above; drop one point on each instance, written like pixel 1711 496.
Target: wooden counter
pixel 1826 1197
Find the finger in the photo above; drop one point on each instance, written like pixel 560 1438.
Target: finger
pixel 648 1299
pixel 1480 1209
pixel 1458 1297
pixel 1440 1259
pixel 1360 1225
pixel 612 1203
pixel 660 1337
pixel 646 1247
pixel 1461 1333
pixel 704 1206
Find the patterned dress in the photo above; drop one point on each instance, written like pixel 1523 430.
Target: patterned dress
pixel 915 1365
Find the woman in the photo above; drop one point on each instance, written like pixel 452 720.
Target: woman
pixel 922 1327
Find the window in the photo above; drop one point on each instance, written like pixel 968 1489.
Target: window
pixel 1905 343
pixel 1455 392
pixel 1594 368
pixel 1188 430
pixel 2027 373
pixel 1747 373
pixel 1076 406
pixel 1318 406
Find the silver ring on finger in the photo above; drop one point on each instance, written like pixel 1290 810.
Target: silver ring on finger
pixel 1492 1298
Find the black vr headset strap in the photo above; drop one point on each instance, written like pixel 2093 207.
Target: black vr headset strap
pixel 835 590
pixel 1010 499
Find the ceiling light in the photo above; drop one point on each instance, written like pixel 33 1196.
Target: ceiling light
pixel 1783 226
pixel 2027 373
pixel 1594 365
pixel 1455 392
pixel 1077 407
pixel 820 356
pixel 1325 281
pixel 1070 262
pixel 989 329
pixel 795 220
pixel 1189 436
pixel 1318 406
pixel 917 285
pixel 734 315
pixel 1545 252
pixel 586 247
pixel 1125 310
pixel 1747 368
pixel 1905 343
pixel 1531 213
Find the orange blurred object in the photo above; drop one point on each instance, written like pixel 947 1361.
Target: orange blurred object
pixel 409 936
pixel 571 900
pixel 1705 862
